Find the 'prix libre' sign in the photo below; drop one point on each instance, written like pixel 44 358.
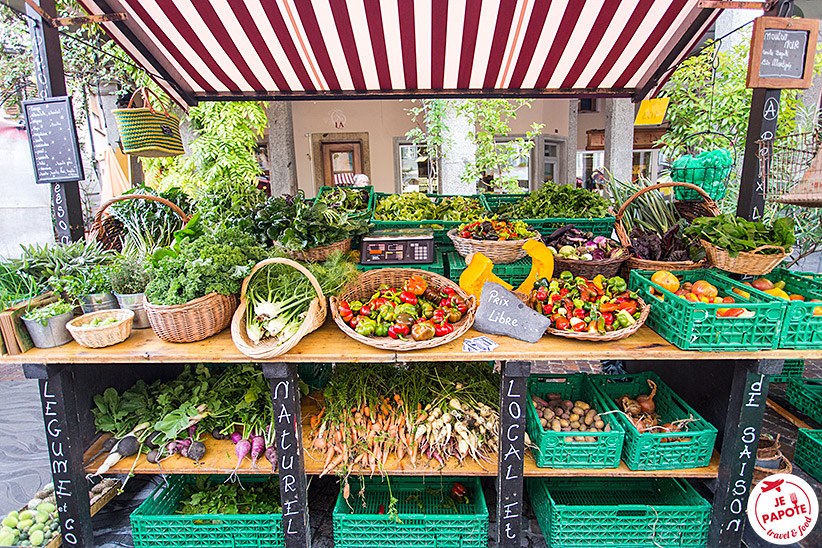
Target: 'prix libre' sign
pixel 501 313
pixel 782 53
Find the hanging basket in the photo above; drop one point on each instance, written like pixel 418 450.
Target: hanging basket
pixel 634 262
pixel 709 168
pixel 148 132
pixel 108 231
pixel 791 168
pixel 314 318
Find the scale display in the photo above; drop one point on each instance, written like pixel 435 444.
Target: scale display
pixel 401 246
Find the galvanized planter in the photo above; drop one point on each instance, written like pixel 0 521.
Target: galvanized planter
pixel 134 302
pixel 95 302
pixel 54 333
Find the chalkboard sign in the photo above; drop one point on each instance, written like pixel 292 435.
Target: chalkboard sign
pixel 52 134
pixel 782 53
pixel 501 313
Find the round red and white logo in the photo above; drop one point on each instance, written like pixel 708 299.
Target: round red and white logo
pixel 783 509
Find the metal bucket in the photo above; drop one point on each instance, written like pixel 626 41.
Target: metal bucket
pixel 134 302
pixel 97 302
pixel 54 333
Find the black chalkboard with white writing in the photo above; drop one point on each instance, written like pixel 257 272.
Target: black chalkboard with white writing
pixel 501 313
pixel 52 135
pixel 783 53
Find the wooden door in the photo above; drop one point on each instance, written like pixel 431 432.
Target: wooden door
pixel 341 161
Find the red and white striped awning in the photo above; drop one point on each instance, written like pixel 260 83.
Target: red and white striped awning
pixel 224 49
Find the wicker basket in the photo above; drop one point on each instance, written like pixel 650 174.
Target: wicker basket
pixel 192 321
pixel 499 251
pixel 634 262
pixel 747 262
pixel 319 254
pixel 363 287
pixel 314 318
pixel 99 225
pixel 589 269
pixel 98 337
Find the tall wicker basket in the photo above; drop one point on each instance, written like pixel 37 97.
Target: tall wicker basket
pixel 635 262
pixel 315 317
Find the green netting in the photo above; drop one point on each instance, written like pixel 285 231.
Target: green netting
pixel 612 513
pixel 809 452
pixel 691 448
pixel 559 449
pixel 423 519
pixel 695 326
pixel 154 525
pixel 806 395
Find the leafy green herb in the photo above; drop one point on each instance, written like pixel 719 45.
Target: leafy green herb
pixel 207 497
pixel 74 259
pixel 43 313
pixel 129 275
pixel 95 280
pixel 557 201
pixel 349 200
pixel 737 235
pixel 416 206
pixel 149 224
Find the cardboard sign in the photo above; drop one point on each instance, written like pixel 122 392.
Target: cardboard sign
pixel 52 135
pixel 652 112
pixel 782 53
pixel 501 313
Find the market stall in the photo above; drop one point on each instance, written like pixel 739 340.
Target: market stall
pixel 717 382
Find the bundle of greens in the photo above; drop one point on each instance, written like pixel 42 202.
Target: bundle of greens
pixel 75 259
pixel 348 200
pixel 129 275
pixel 207 497
pixel 557 201
pixel 42 314
pixel 15 285
pixel 97 279
pixel 197 264
pixel 670 246
pixel 296 224
pixel 148 224
pixel 736 235
pixel 416 206
pixel 278 296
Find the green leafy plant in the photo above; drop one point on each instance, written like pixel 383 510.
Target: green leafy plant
pixel 95 280
pixel 736 234
pixel 557 201
pixel 15 285
pixel 207 497
pixel 149 224
pixel 430 134
pixel 42 314
pixel 416 206
pixel 129 275
pixel 42 262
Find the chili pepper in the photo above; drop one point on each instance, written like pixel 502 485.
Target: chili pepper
pixel 555 297
pixel 381 509
pixel 365 326
pixel 566 276
pixel 592 326
pixel 542 293
pixel 427 309
pixel 620 300
pixel 601 324
pixel 608 307
pixel 423 331
pixel 442 329
pixel 624 319
pixel 381 330
pixel 465 234
pixel 578 325
pixel 562 323
pixel 408 297
pixel 398 331
pixel 407 308
pixel 416 285
pixel 599 282
pixel 355 306
pixel 628 306
pixel 607 317
pixel 578 313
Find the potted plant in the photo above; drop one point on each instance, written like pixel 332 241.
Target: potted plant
pixel 47 324
pixel 129 278
pixel 91 289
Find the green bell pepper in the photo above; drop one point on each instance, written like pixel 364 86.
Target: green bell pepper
pixel 381 330
pixel 388 313
pixel 366 327
pixel 624 319
pixel 408 308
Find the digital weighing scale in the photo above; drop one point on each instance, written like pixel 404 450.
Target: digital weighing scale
pixel 398 246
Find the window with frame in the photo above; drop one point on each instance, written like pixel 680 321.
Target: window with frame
pixel 414 169
pixel 588 105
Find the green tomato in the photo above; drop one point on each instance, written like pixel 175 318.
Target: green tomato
pixel 6 540
pixel 37 538
pixel 10 521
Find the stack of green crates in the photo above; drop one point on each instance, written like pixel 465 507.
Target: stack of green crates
pixel 424 517
pixel 809 452
pixel 806 396
pixel 792 369
pixel 620 513
pixel 154 523
pixel 694 445
pixel 513 273
pixel 558 449
pixel 437 267
pixel 599 227
pixel 695 326
pixel 439 226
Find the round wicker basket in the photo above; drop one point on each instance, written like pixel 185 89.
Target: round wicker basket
pixel 499 251
pixel 368 282
pixel 589 269
pixel 314 318
pixel 634 262
pixel 107 335
pixel 747 262
pixel 99 227
pixel 192 321
pixel 319 254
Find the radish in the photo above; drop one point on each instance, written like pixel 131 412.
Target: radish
pixel 257 449
pixel 236 438
pixel 217 434
pixel 127 446
pixel 192 431
pixel 241 450
pixel 271 455
pixel 196 451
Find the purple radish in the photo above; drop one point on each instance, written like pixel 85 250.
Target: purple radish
pixel 257 449
pixel 271 456
pixel 236 438
pixel 242 449
pixel 192 431
pixel 217 434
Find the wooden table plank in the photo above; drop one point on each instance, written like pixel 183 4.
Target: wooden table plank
pixel 329 344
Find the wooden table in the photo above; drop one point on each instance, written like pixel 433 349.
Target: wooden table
pixel 729 389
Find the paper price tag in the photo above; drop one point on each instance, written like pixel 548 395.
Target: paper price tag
pixel 478 344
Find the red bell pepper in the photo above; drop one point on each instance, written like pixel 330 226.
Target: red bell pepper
pixel 365 310
pixel 449 290
pixel 459 303
pixel 562 322
pixel 579 326
pixel 608 307
pixel 354 321
pixel 345 311
pixel 555 297
pixel 442 329
pixel 564 291
pixel 628 306
pixel 579 313
pixel 408 297
pixel 608 317
pixel 542 294
pixel 398 331
pixel 439 315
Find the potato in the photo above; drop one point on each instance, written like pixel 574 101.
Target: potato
pixel 559 410
pixel 554 403
pixel 582 405
pixel 556 425
pixel 548 414
pixel 583 427
pixel 573 417
pixel 564 423
pixel 553 396
pixel 567 404
pixel 581 438
pixel 599 423
pixel 539 413
pixel 569 439
pixel 577 410
pixel 589 417
pixel 566 416
pixel 574 425
pixel 544 423
pixel 566 429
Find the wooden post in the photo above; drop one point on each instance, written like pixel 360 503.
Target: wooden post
pixel 513 397
pixel 285 397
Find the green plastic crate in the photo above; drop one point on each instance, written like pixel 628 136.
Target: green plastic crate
pixel 815 276
pixel 806 396
pixel 801 328
pixel 439 226
pixel 435 525
pixel 790 370
pixel 647 450
pixel 620 513
pixel 809 452
pixel 437 267
pixel 315 375
pixel 371 200
pixel 599 227
pixel 695 326
pixel 551 450
pixel 513 273
pixel 154 524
